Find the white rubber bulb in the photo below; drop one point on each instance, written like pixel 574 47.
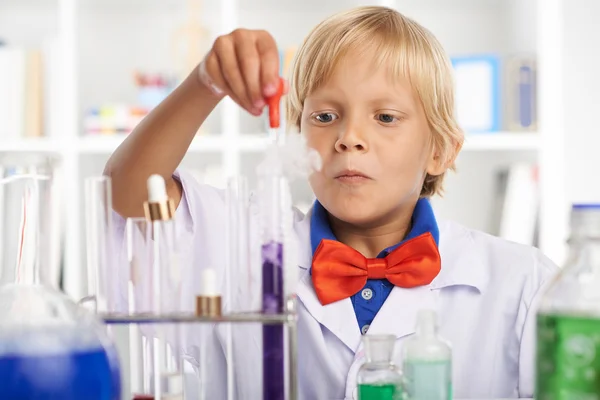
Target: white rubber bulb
pixel 157 190
pixel 209 283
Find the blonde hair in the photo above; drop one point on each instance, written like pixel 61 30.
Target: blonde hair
pixel 407 47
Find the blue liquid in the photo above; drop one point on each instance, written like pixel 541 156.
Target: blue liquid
pixel 89 375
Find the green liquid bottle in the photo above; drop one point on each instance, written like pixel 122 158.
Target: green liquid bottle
pixel 379 378
pixel 568 320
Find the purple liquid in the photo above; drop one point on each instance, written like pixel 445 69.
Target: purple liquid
pixel 273 358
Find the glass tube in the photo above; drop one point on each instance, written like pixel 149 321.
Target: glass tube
pixel 139 256
pixel 273 196
pixel 154 288
pixel 30 229
pixel 237 244
pixel 141 338
pixel 243 292
pixel 106 279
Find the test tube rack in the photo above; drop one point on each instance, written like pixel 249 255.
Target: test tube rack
pixel 288 319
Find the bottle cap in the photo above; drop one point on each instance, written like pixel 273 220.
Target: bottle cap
pixel 209 285
pixel 157 189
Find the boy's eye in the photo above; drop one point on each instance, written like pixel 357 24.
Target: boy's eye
pixel 386 118
pixel 325 117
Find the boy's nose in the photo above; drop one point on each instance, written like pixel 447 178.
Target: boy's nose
pixel 350 140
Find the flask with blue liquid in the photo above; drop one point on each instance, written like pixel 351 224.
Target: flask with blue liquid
pixel 50 347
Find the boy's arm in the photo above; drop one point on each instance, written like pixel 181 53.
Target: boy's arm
pixel 243 65
pixel 158 144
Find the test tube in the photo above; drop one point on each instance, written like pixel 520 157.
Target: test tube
pixel 243 292
pixel 236 232
pixel 166 289
pixel 106 281
pixel 273 193
pixel 141 338
pixel 139 257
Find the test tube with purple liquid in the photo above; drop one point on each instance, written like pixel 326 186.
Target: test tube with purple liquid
pixel 273 185
pixel 273 346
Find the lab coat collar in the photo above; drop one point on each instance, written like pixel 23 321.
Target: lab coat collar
pixel 462 265
pixel 463 261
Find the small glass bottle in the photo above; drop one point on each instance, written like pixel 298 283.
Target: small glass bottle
pixel 378 378
pixel 427 362
pixel 568 319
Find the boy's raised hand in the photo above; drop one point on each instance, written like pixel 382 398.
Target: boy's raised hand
pixel 244 65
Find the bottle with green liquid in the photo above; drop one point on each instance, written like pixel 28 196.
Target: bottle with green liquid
pixel 379 378
pixel 568 319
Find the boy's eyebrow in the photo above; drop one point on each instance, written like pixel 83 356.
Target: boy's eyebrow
pixel 402 103
pixel 323 98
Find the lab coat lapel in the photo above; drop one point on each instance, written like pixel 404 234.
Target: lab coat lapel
pixel 338 317
pixel 398 313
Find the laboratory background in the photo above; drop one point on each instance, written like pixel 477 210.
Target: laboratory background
pixel 76 76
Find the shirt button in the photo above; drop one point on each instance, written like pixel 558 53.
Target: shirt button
pixel 367 294
pixel 364 329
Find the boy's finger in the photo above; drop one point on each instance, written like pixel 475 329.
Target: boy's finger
pixel 249 61
pixel 230 69
pixel 269 66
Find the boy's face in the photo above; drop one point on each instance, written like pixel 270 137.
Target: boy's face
pixel 374 139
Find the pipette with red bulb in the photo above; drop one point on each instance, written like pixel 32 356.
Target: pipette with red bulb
pixel 273 102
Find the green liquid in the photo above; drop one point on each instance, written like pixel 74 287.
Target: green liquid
pixel 386 391
pixel 568 358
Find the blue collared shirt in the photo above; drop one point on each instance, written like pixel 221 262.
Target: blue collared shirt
pixel 371 297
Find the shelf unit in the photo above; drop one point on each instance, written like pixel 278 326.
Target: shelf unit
pixel 106 144
pixel 101 42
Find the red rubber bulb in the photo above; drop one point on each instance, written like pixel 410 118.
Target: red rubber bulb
pixel 273 103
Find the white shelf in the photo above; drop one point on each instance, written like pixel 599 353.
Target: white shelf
pixel 202 144
pixel 99 144
pixel 37 145
pixel 502 141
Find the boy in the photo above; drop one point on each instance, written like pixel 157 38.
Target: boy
pixel 372 92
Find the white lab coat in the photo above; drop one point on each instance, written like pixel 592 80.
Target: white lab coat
pixel 485 297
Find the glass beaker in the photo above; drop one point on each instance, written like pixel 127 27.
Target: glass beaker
pixel 30 233
pixel 379 378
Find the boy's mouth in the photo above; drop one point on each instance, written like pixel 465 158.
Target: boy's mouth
pixel 352 177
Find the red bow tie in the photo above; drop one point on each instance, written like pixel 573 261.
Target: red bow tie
pixel 339 271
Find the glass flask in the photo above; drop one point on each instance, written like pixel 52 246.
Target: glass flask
pixel 50 348
pixel 379 378
pixel 568 319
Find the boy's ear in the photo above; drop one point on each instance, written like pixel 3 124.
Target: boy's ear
pixel 436 166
